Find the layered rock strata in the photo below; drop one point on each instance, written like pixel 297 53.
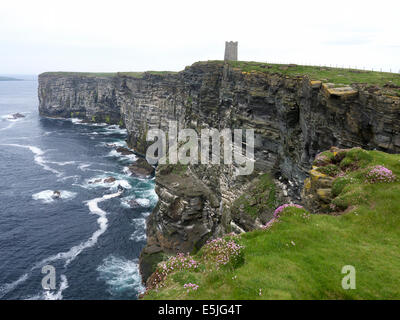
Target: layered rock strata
pixel 293 117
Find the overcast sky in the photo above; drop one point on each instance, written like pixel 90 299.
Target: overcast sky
pixel 117 35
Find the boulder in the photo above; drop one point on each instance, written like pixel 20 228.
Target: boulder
pixel 16 116
pixel 56 194
pixel 141 168
pixel 133 204
pixel 109 180
pixel 124 151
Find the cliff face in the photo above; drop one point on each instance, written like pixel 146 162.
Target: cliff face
pixel 293 118
pixel 79 96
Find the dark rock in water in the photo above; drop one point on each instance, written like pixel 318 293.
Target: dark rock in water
pixel 133 204
pixel 16 116
pixel 95 181
pixel 56 194
pixel 141 168
pixel 124 151
pixel 109 180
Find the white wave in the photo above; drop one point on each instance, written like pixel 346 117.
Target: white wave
pixel 74 177
pixel 83 166
pixel 49 295
pixel 72 253
pixel 140 230
pixel 100 124
pixel 76 120
pixel 62 163
pixel 149 195
pixel 113 144
pixel 47 196
pixel 115 154
pixel 121 275
pixel 6 288
pixel 94 183
pixel 126 171
pixel 38 153
pixel 114 129
pixel 10 117
pixel 8 127
pixel 102 221
pixel 143 202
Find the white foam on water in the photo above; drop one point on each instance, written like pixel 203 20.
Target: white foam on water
pixel 83 166
pixel 140 230
pixel 91 183
pixel 146 214
pixel 114 129
pixel 76 120
pixel 38 157
pixel 72 253
pixel 115 154
pixel 8 127
pixel 64 163
pixel 6 288
pixel 121 275
pixel 74 177
pixel 10 117
pixel 100 124
pixel 113 144
pixel 102 221
pixel 126 171
pixel 49 295
pixel 143 202
pixel 47 196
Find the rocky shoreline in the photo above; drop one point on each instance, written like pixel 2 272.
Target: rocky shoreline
pixel 294 118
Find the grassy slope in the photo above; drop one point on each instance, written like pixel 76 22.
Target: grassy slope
pixel 366 237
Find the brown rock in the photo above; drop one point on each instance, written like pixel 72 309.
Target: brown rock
pixel 56 194
pixel 141 168
pixel 109 180
pixel 124 151
pixel 17 116
pixel 133 204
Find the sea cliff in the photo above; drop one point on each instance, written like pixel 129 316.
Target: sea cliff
pixel 295 115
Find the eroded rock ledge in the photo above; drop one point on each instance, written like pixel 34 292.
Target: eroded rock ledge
pixel 294 119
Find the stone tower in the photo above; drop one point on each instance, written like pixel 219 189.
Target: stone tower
pixel 231 50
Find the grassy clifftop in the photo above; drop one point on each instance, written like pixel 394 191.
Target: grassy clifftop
pixel 301 255
pixel 131 74
pixel 337 76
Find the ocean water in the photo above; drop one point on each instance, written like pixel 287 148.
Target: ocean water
pixel 89 235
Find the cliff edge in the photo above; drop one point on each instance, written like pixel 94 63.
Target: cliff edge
pixel 296 112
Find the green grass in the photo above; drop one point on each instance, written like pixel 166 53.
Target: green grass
pixel 259 197
pixel 301 256
pixel 130 74
pixel 338 76
pixel 80 74
pixel 326 74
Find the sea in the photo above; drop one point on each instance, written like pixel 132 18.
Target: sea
pixel 84 241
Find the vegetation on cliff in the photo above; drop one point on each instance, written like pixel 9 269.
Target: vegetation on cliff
pixel 301 255
pixel 388 82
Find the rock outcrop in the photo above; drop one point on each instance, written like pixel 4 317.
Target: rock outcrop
pixel 294 118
